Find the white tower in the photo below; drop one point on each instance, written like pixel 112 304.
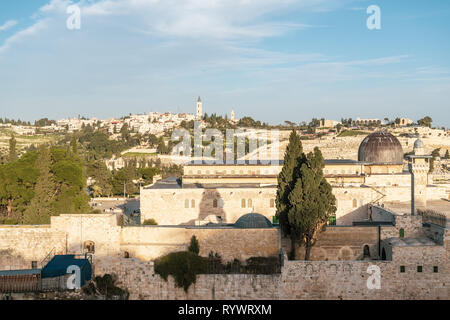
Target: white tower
pixel 199 111
pixel 419 166
pixel 232 115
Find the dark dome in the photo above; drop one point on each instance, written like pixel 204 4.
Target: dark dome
pixel 253 221
pixel 381 147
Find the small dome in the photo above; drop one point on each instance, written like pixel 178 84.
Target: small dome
pixel 381 147
pixel 253 221
pixel 418 144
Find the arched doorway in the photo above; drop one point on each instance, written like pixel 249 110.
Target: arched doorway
pixel 366 251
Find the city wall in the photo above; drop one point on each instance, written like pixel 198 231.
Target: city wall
pixel 298 280
pixel 69 234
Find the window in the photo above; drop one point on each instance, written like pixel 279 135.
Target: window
pixel 355 203
pixel 215 203
pixel 126 255
pixel 401 233
pixel 249 203
pixel 402 269
pixel 33 264
pixel 186 203
pixel 199 172
pixel 232 171
pixel 272 203
pixel 419 268
pixel 243 203
pixel 366 251
pixel 192 203
pixel 435 269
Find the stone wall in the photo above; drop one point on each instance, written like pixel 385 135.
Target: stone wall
pixel 298 280
pixel 148 243
pixel 20 245
pixel 68 234
pixel 340 243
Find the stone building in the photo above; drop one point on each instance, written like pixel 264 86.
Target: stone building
pixel 223 192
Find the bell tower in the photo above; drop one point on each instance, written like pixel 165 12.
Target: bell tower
pixel 419 166
pixel 199 110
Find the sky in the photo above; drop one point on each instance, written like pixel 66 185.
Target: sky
pixel 273 60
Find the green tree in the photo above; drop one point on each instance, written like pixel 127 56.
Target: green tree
pixel 194 246
pixel 426 122
pixel 293 158
pixel 304 198
pixel 98 171
pixel 40 208
pixel 12 149
pixel 74 145
pixel 436 153
pixel 312 201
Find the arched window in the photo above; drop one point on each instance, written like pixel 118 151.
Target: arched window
pixel 401 233
pixel 249 203
pixel 366 251
pixel 243 203
pixel 192 203
pixel 272 203
pixel 355 203
pixel 126 255
pixel 89 246
pixel 186 203
pixel 215 203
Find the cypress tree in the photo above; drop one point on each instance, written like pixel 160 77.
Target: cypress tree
pixel 12 149
pixel 293 159
pixel 40 207
pixel 312 202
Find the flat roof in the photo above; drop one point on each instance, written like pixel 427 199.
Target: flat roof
pixel 8 273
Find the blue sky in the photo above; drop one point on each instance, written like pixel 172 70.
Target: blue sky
pixel 274 60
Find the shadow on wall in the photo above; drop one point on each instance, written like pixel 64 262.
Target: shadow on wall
pixel 11 261
pixel 359 214
pixel 210 208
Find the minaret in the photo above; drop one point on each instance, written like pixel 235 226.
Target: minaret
pixel 199 111
pixel 419 167
pixel 232 115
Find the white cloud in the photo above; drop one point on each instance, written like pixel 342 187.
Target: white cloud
pixel 8 25
pixel 19 36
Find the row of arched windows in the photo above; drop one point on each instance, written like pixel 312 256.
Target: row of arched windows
pixel 245 203
pixel 233 172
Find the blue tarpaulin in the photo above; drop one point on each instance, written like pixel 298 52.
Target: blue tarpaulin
pixel 57 267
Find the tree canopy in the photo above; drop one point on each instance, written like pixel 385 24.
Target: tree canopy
pixel 304 199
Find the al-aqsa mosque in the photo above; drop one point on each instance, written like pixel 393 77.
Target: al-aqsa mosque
pixel 222 193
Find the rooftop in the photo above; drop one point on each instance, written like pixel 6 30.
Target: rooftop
pixel 411 242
